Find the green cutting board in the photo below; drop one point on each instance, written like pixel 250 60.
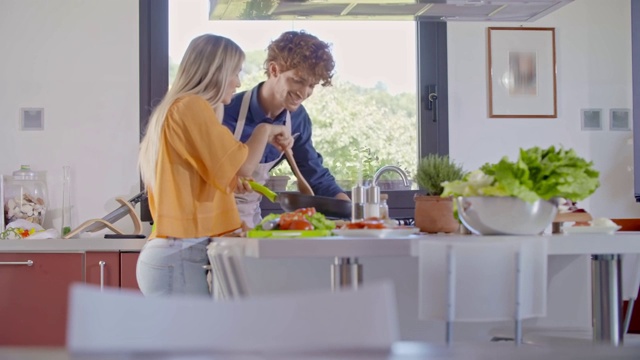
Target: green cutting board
pixel 287 233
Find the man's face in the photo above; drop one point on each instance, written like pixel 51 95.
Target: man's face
pixel 292 87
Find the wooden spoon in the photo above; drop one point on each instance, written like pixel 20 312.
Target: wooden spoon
pixel 303 185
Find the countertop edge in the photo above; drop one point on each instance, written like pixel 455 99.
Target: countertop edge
pixel 72 245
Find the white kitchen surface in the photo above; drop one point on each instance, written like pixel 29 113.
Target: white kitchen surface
pixel 67 245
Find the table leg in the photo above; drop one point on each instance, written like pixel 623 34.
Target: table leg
pixel 346 272
pixel 606 299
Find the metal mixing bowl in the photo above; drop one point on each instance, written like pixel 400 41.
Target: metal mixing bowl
pixel 494 215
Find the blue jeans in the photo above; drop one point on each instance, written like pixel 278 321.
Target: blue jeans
pixel 173 267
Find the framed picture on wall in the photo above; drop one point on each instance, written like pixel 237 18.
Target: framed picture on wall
pixel 522 72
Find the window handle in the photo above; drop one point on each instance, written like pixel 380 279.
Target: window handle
pixel 432 101
pixel 432 105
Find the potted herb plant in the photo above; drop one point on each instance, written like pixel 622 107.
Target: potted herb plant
pixel 434 213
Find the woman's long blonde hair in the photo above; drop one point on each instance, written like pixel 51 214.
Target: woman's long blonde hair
pixel 209 63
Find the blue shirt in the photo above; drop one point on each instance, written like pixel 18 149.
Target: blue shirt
pixel 308 159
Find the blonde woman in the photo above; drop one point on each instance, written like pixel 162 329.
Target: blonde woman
pixel 191 166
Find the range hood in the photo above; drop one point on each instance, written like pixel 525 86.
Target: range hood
pixel 430 10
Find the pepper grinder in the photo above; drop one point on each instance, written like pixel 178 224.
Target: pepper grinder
pixel 357 202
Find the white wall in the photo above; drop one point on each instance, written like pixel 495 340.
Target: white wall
pixel 78 59
pixel 593 42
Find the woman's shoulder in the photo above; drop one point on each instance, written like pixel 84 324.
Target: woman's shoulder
pixel 190 102
pixel 189 109
pixel 189 106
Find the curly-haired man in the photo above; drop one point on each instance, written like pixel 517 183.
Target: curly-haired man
pixel 296 62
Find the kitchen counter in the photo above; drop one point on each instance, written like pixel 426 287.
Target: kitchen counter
pixel 71 245
pixel 621 243
pixel 627 242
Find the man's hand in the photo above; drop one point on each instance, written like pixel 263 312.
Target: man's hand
pixel 342 196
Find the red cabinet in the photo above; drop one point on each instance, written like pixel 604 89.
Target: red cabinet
pixel 128 263
pixel 102 268
pixel 34 291
pixel 33 298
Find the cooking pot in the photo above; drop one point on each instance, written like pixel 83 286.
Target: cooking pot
pixel 290 201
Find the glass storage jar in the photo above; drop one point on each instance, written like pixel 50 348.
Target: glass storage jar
pixel 25 197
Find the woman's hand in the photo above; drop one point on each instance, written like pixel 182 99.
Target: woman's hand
pixel 243 187
pixel 280 137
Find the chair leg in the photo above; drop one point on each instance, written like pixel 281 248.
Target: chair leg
pixel 449 332
pixel 627 316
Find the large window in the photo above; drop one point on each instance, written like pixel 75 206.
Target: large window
pixel 367 119
pixel 375 113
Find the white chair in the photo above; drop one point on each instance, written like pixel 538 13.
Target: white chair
pixel 228 274
pixel 476 279
pixel 121 321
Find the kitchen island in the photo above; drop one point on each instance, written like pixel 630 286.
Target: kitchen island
pixel 604 249
pixel 37 273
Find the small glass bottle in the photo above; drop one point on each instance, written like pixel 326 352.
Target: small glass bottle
pixel 384 208
pixel 66 201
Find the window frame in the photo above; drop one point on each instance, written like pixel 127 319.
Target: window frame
pixel 432 70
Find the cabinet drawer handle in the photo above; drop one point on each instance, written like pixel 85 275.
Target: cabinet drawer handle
pixel 102 264
pixel 28 262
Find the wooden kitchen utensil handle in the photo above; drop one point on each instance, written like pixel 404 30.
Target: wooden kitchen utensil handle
pixel 303 185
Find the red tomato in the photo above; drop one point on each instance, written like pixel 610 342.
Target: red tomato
pixel 300 225
pixel 287 218
pixel 285 221
pixel 368 223
pixel 306 211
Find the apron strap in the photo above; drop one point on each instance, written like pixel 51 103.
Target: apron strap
pixel 242 116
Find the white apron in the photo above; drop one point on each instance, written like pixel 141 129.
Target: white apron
pixel 249 203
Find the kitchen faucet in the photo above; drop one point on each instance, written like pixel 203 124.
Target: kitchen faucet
pixel 387 168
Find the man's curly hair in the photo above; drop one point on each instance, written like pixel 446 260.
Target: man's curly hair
pixel 303 52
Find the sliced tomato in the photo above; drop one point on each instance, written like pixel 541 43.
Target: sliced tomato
pixel 369 223
pixel 300 225
pixel 306 211
pixel 287 218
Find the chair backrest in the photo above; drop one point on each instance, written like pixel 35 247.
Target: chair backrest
pixel 297 322
pixel 227 269
pixel 476 279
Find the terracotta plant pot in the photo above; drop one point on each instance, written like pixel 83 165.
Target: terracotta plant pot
pixel 434 214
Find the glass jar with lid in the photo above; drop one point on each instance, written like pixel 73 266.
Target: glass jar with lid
pixel 25 196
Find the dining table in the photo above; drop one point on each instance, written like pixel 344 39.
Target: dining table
pixel 346 270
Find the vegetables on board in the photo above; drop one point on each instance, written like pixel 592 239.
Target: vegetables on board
pixel 301 219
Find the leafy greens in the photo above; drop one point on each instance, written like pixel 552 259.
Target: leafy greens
pixel 536 174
